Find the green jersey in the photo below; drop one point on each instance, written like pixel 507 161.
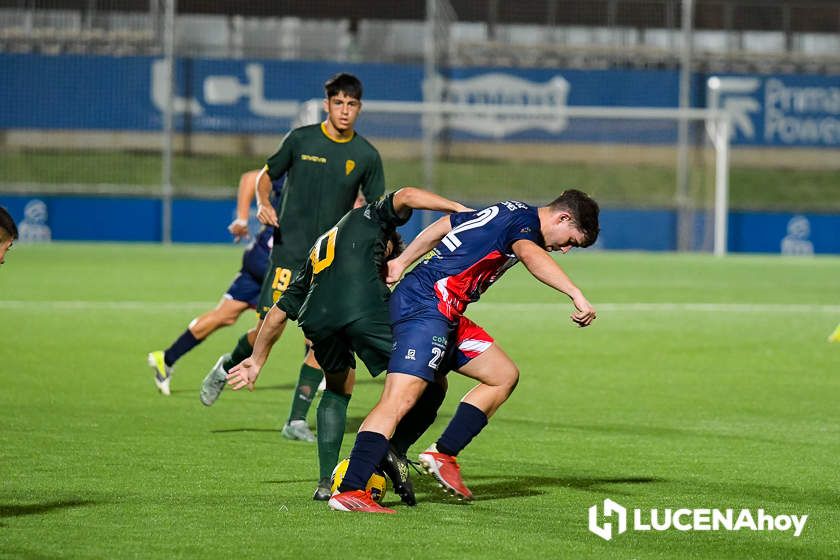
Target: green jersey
pixel 323 177
pixel 342 280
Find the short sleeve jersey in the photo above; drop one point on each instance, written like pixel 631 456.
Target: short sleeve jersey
pixel 323 178
pixel 342 281
pixel 469 259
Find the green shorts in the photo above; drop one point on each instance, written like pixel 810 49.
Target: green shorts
pixel 368 337
pixel 276 281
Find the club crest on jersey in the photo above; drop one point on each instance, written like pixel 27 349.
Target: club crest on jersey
pixel 349 166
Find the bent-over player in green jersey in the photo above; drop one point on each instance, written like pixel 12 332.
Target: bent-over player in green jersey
pixel 340 300
pixel 326 165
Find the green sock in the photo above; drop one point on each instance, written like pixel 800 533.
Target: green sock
pixel 307 385
pixel 332 418
pixel 243 350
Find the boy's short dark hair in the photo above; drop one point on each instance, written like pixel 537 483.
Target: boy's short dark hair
pixel 343 82
pixel 584 212
pixel 7 225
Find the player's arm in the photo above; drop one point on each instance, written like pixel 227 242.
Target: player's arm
pixel 412 198
pixel 244 195
pixel 276 165
pixel 245 373
pixel 422 244
pixel 360 200
pixel 540 264
pixel 265 211
pixel 287 307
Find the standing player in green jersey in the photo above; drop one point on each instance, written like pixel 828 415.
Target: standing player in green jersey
pixel 340 301
pixel 326 165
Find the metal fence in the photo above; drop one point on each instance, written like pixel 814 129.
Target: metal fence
pixel 729 35
pixel 195 106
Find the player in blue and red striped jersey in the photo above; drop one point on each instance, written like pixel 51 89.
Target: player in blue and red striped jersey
pixel 242 294
pixel 471 251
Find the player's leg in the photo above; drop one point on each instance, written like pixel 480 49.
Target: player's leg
pixel 478 357
pixel 400 392
pixel 241 294
pixel 417 351
pixel 223 315
pixel 372 342
pixel 244 347
pixel 309 377
pixel 248 288
pixel 244 288
pixel 337 356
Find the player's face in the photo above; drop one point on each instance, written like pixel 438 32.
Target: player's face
pixel 562 234
pixel 4 246
pixel 342 111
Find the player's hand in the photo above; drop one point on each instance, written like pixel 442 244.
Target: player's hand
pixel 461 208
pixel 584 312
pixel 395 271
pixel 267 215
pixel 238 228
pixel 243 374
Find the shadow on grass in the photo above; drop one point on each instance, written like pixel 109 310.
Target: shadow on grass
pixel 19 510
pixel 637 430
pixel 361 379
pixel 486 488
pixel 352 426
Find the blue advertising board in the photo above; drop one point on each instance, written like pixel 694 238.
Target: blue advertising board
pixel 81 218
pixel 254 96
pixel 779 110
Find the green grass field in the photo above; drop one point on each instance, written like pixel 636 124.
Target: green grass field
pixel 470 180
pixel 661 403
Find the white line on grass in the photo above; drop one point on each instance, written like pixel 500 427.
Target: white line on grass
pixel 510 307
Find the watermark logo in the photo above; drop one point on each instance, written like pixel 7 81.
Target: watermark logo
pixel 605 531
pixel 685 519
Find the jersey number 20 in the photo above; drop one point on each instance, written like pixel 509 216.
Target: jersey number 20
pixel 482 218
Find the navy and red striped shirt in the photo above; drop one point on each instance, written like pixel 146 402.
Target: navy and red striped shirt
pixel 468 260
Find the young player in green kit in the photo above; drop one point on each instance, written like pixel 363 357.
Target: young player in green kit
pixel 340 301
pixel 326 165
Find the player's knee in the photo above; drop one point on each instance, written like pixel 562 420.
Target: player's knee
pixel 510 378
pixel 227 320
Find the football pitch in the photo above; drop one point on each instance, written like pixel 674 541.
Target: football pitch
pixel 704 383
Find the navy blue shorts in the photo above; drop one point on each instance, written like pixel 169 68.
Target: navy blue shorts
pixel 245 287
pixel 431 345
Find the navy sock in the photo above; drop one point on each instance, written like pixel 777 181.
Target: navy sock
pixel 421 416
pixel 184 344
pixel 464 426
pixel 368 451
